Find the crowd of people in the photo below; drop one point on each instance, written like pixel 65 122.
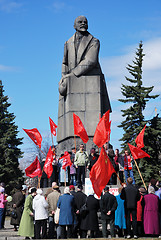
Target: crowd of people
pixel 72 214
pixel 82 162
pixel 67 212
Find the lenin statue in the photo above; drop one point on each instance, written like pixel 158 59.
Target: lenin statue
pixel 82 87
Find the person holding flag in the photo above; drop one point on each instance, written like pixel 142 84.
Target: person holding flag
pixel 55 172
pixel 81 161
pixel 128 168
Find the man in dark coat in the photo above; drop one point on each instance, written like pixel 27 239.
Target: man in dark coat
pixel 80 200
pixel 18 201
pixel 131 195
pixel 108 205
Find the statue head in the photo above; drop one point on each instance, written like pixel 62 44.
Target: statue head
pixel 81 24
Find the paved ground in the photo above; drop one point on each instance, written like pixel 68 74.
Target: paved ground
pixel 9 234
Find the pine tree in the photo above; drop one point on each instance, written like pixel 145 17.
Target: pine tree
pixel 10 173
pixel 136 94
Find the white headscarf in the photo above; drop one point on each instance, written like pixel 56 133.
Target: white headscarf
pixel 39 191
pixel 66 190
pixel 151 190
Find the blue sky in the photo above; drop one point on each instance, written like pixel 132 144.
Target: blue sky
pixel 32 36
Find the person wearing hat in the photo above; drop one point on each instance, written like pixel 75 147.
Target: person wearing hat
pixel 26 228
pixel 52 200
pixel 66 217
pixel 80 200
pixel 72 190
pixel 108 205
pixel 18 201
pixel 142 192
pixel 40 206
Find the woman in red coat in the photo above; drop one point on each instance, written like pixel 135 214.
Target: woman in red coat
pixel 143 192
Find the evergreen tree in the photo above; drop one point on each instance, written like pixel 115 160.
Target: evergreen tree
pixel 151 167
pixel 10 173
pixel 138 95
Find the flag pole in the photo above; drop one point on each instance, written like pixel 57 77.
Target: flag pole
pixel 75 141
pixel 52 139
pixel 118 178
pixel 65 177
pixel 140 174
pixel 39 178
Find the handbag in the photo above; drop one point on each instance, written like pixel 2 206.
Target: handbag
pixel 83 210
pixel 56 216
pixel 14 214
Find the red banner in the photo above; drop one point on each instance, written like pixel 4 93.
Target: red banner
pixel 79 129
pixel 139 140
pixel 48 168
pixel 34 169
pixel 53 126
pixel 34 135
pixel 101 172
pixel 137 152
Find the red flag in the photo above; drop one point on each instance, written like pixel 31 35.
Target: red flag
pixel 137 152
pixel 101 172
pixel 48 168
pixel 66 160
pixel 34 135
pixel 108 132
pixel 100 135
pixel 79 129
pixel 139 140
pixel 106 118
pixel 34 169
pixel 53 126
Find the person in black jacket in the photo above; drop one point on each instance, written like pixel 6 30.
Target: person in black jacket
pixel 131 195
pixel 90 220
pixel 80 200
pixel 44 178
pixel 93 157
pixel 108 205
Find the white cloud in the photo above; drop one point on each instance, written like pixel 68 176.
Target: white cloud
pixel 58 5
pixel 8 68
pixel 9 6
pixel 114 68
pixel 152 50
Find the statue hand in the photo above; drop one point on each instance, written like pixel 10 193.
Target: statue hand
pixel 67 75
